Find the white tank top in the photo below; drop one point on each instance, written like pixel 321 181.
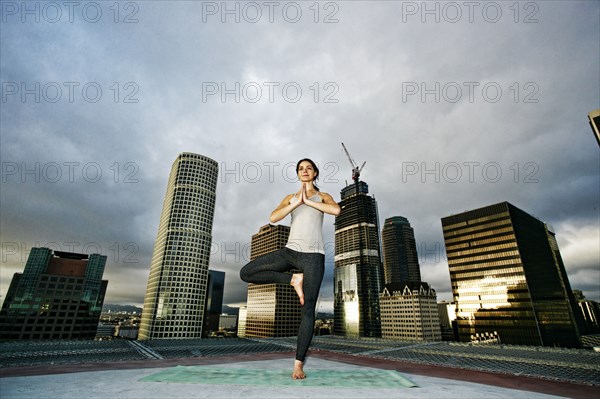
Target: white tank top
pixel 306 229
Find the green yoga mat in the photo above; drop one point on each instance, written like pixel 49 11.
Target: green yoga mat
pixel 359 378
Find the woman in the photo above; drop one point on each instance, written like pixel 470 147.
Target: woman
pixel 304 251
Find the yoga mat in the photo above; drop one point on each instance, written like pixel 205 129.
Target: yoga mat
pixel 359 378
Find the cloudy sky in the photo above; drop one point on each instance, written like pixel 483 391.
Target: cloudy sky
pixel 453 106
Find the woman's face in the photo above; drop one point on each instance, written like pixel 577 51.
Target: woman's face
pixel 306 172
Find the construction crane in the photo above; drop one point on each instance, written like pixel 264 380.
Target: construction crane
pixel 355 169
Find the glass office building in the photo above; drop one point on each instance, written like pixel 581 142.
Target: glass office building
pixel 176 292
pixel 508 279
pixel 214 301
pixel 400 259
pixel 59 295
pixel 357 265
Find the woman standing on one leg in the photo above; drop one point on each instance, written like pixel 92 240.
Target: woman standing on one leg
pixel 304 251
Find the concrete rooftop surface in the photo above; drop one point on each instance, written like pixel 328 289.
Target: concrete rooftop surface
pixel 94 369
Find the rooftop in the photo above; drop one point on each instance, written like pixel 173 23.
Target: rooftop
pixel 35 368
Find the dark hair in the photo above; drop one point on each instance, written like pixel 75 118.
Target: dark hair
pixel 314 165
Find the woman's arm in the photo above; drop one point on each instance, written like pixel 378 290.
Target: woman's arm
pixel 327 206
pixel 284 209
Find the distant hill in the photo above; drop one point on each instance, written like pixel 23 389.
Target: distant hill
pixel 121 308
pixel 235 311
pixel 131 308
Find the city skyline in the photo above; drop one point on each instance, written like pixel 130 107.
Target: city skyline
pixel 89 177
pixel 241 250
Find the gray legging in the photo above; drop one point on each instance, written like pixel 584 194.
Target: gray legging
pixel 271 268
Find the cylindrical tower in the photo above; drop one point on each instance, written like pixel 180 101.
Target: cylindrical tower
pixel 176 291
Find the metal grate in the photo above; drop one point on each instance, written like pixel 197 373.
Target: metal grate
pixel 572 365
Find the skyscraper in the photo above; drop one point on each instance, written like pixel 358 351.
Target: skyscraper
pixel 272 310
pixel 176 291
pixel 59 295
pixel 357 272
pixel 408 306
pixel 214 301
pixel 400 260
pixel 508 278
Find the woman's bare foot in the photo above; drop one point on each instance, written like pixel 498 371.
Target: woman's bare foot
pixel 296 282
pixel 298 373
